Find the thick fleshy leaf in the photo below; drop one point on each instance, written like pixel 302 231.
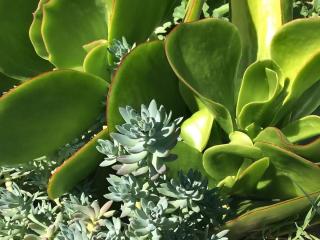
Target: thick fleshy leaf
pixel 96 62
pixel 248 180
pixel 46 113
pixel 296 49
pixel 7 83
pixel 257 22
pixel 287 174
pixel 143 16
pixel 261 94
pixel 35 31
pixel 142 76
pixel 259 218
pixel 196 130
pixel 187 158
pixel 68 25
pixel 225 160
pixel 307 103
pixel 309 151
pixel 18 58
pixel 205 55
pixel 302 129
pixel 76 168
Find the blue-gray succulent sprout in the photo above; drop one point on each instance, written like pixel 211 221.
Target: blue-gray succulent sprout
pixel 143 142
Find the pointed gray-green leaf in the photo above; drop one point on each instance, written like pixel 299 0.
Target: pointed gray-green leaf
pixel 18 57
pixel 68 25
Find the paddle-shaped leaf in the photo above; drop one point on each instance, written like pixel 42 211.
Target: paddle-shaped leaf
pixel 96 62
pixel 143 16
pixel 47 112
pixel 287 174
pixel 18 58
pixel 302 129
pixel 35 31
pixel 259 218
pixel 142 76
pixel 196 130
pixel 68 25
pixel 205 56
pixel 309 151
pixel 296 49
pixel 225 160
pixel 261 94
pixel 76 168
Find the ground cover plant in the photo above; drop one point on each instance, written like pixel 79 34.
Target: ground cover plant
pixel 161 119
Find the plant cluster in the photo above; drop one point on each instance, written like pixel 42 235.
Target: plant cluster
pixel 151 208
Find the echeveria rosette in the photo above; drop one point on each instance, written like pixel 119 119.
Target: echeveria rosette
pixel 149 219
pixel 143 142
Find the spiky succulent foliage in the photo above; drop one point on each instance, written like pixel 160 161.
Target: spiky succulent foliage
pixel 143 142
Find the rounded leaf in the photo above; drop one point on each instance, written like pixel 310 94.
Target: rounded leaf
pixel 47 112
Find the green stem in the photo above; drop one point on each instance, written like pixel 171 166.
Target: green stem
pixel 194 9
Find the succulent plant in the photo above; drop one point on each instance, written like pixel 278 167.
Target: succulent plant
pixel 251 86
pixel 143 142
pixel 44 57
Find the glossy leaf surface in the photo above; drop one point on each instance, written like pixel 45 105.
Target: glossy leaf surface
pixel 261 217
pixel 261 94
pixel 289 173
pixel 206 53
pixel 68 25
pixel 142 76
pixel 96 62
pixel 46 113
pixel 76 168
pixel 196 130
pixel 18 58
pixel 35 31
pixel 143 16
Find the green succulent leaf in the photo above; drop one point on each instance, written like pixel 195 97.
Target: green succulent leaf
pixel 295 48
pixel 206 53
pixel 35 34
pixel 257 219
pixel 261 94
pixel 309 151
pixel 196 130
pixel 76 168
pixel 18 58
pixel 248 180
pixel 287 174
pixel 146 16
pixel 225 160
pixel 96 62
pixel 47 112
pixel 68 25
pixel 257 22
pixel 142 76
